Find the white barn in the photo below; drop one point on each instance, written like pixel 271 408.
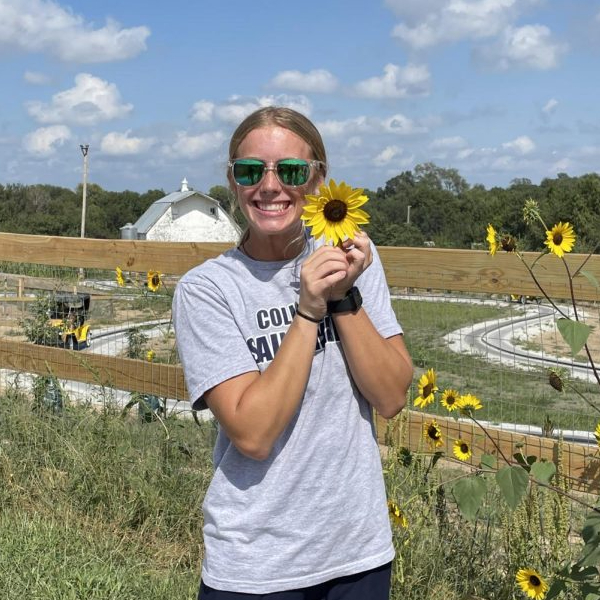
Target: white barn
pixel 184 216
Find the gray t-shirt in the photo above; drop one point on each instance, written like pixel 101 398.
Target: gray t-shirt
pixel 316 508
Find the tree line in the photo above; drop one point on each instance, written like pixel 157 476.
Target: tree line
pixel 429 205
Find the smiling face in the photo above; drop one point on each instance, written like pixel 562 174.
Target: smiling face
pixel 273 210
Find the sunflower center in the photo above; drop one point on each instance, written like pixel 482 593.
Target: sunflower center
pixel 534 580
pixel 557 238
pixel 464 448
pixel 450 400
pixel 155 280
pixel 335 210
pixel 432 432
pixel 427 390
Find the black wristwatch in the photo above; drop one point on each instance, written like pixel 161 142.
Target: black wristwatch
pixel 351 302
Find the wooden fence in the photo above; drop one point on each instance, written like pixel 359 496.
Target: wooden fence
pixel 472 271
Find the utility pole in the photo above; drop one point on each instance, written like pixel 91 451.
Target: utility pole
pixel 84 150
pixel 408 215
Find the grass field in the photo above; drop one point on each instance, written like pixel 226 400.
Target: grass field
pixel 508 394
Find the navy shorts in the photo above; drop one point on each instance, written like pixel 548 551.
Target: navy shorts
pixel 368 585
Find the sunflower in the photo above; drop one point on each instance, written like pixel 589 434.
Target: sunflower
pixel 335 212
pixel 492 239
pixel 597 434
pixel 462 449
pixel 397 515
pixel 560 239
pixel 153 280
pixel 120 278
pixel 449 399
pixel 427 389
pixel 508 243
pixel 150 355
pixel 469 402
pixel 433 434
pixel 532 583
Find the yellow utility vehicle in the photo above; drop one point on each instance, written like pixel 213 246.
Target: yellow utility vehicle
pixel 68 316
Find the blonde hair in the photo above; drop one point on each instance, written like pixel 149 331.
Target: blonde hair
pixel 287 118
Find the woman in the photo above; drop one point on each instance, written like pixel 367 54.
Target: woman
pixel 276 340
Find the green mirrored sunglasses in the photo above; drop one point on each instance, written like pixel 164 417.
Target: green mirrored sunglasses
pixel 290 171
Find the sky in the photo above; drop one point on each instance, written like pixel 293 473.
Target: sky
pixel 497 89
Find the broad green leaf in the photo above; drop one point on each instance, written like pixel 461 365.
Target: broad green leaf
pixel 590 277
pixel 489 461
pixel 590 553
pixel 543 471
pixel 468 494
pixel 590 591
pixel 591 527
pixel 512 482
pixel 558 586
pixel 575 333
pixel 578 574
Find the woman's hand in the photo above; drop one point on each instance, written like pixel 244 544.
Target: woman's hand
pixel 321 272
pixel 359 257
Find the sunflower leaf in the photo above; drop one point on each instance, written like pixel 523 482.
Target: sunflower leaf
pixel 543 471
pixel 590 277
pixel 489 461
pixel 468 493
pixel 558 586
pixel 575 333
pixel 590 591
pixel 512 482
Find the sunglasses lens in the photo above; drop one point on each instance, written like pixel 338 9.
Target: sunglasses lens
pixel 293 171
pixel 248 171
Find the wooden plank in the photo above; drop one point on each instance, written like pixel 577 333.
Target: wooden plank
pixel 579 460
pixel 116 372
pixel 477 271
pixel 131 255
pixel 421 268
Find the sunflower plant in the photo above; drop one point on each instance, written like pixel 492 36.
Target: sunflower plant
pixel 583 572
pixel 516 477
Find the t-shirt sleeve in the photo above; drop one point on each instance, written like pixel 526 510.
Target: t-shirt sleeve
pixel 210 344
pixel 376 298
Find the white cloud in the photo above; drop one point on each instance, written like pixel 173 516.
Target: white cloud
pixel 530 47
pixel 564 165
pixel 120 144
pixel 396 82
pixel 203 111
pixel 354 142
pixel 356 125
pixel 319 81
pixel 521 145
pixel 550 106
pixel 448 143
pixel 44 26
pixel 45 140
pixel 192 146
pixel 237 108
pixel 453 20
pixel 36 78
pixel 91 101
pixel 387 155
pixel 401 125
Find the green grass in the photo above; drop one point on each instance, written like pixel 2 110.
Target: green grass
pixel 98 506
pixel 508 394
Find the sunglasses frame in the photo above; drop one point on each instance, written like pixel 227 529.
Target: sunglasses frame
pixel 273 166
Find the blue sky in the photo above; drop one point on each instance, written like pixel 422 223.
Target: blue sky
pixel 497 89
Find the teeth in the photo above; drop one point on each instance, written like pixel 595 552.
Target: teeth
pixel 271 207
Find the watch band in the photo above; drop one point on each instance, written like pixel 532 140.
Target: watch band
pixel 351 302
